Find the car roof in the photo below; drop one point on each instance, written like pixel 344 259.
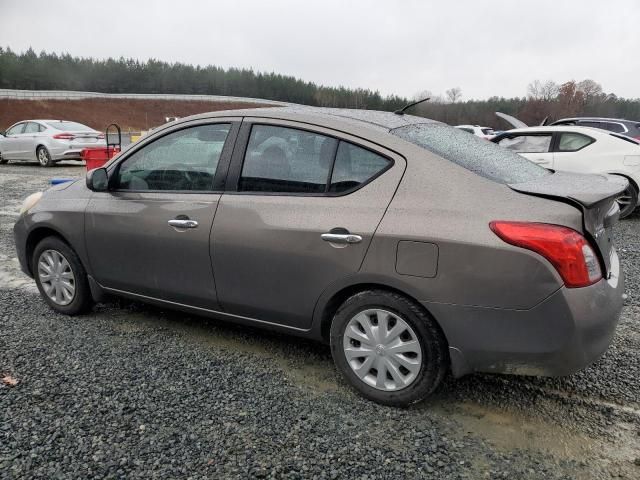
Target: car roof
pixel 557 128
pixel 599 119
pixel 372 119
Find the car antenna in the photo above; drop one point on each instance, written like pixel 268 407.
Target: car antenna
pixel 401 111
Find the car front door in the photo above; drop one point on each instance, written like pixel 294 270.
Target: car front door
pixel 149 233
pixel 534 146
pixel 11 142
pixel 300 211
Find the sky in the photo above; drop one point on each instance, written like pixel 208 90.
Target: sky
pixel 485 47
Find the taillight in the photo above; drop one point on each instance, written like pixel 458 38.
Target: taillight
pixel 101 136
pixel 567 250
pixel 64 136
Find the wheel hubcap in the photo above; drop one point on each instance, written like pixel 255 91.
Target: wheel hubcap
pixel 56 277
pixel 382 350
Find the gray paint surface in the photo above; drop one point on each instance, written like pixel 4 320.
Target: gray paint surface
pixel 259 259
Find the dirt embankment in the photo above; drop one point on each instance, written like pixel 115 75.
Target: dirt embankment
pixel 133 115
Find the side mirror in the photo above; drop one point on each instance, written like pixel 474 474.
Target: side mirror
pixel 98 180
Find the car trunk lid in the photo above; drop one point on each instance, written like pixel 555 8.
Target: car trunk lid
pixel 594 195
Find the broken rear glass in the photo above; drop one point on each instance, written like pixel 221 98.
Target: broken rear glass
pixel 471 152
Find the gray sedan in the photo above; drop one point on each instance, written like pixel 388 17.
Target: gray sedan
pixel 47 141
pixel 413 248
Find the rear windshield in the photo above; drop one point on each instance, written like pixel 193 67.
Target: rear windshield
pixel 70 126
pixel 473 153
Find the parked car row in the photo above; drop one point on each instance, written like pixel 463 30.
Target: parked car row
pixel 411 247
pixel 47 141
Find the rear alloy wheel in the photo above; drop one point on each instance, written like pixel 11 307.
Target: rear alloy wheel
pixel 44 158
pixel 60 277
pixel 628 201
pixel 388 348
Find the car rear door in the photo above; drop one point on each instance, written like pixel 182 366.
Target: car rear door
pixel 301 207
pixel 536 146
pixel 149 233
pixel 573 152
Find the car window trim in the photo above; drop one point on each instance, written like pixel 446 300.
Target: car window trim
pixel 242 143
pixel 219 176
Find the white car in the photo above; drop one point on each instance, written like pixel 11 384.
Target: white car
pixel 485 132
pixel 47 141
pixel 580 150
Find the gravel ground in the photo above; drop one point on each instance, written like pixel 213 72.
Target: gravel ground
pixel 134 391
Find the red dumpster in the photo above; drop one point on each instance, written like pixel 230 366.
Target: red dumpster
pixel 97 157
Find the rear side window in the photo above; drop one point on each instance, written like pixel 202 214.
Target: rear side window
pixel 614 127
pixel 32 127
pixel 480 156
pixel 355 166
pixel 527 143
pixel 572 142
pixel 288 160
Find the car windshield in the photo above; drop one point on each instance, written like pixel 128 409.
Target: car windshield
pixel 70 126
pixel 471 152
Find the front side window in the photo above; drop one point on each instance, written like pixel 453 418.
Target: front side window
pixel 286 160
pixel 16 129
pixel 572 142
pixel 354 166
pixel 185 160
pixel 472 152
pixel 527 143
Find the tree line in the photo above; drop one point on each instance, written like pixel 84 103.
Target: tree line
pixel 50 71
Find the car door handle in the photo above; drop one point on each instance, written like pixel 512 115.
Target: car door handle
pixel 182 223
pixel 341 238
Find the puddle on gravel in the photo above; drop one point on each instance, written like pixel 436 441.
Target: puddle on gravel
pixel 508 431
pixel 12 277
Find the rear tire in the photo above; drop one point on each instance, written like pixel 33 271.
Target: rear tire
pixel 404 357
pixel 60 277
pixel 2 159
pixel 44 157
pixel 628 200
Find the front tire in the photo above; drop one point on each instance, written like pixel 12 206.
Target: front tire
pixel 388 348
pixel 60 277
pixel 44 157
pixel 2 159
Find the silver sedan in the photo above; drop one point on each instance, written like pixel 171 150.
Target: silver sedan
pixel 47 141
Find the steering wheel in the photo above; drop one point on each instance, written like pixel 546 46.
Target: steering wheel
pixel 184 183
